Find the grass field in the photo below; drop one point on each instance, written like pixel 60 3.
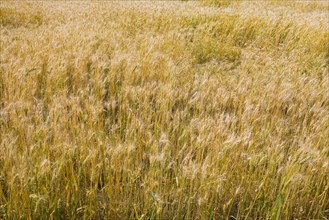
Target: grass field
pixel 164 110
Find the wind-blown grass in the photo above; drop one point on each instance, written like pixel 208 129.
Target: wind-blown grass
pixel 164 110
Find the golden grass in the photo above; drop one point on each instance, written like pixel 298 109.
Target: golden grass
pixel 164 110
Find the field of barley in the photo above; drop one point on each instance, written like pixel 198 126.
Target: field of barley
pixel 164 110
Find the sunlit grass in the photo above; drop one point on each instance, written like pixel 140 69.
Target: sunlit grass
pixel 164 110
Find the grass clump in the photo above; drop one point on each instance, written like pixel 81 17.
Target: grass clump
pixel 207 49
pixel 16 18
pixel 218 3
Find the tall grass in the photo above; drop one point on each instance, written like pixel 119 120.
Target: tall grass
pixel 163 110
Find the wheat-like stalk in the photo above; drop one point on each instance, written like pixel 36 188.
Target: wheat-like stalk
pixel 164 110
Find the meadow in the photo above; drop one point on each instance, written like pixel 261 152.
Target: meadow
pixel 164 109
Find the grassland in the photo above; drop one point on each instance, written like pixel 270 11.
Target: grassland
pixel 164 110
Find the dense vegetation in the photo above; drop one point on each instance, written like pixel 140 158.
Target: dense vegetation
pixel 164 110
